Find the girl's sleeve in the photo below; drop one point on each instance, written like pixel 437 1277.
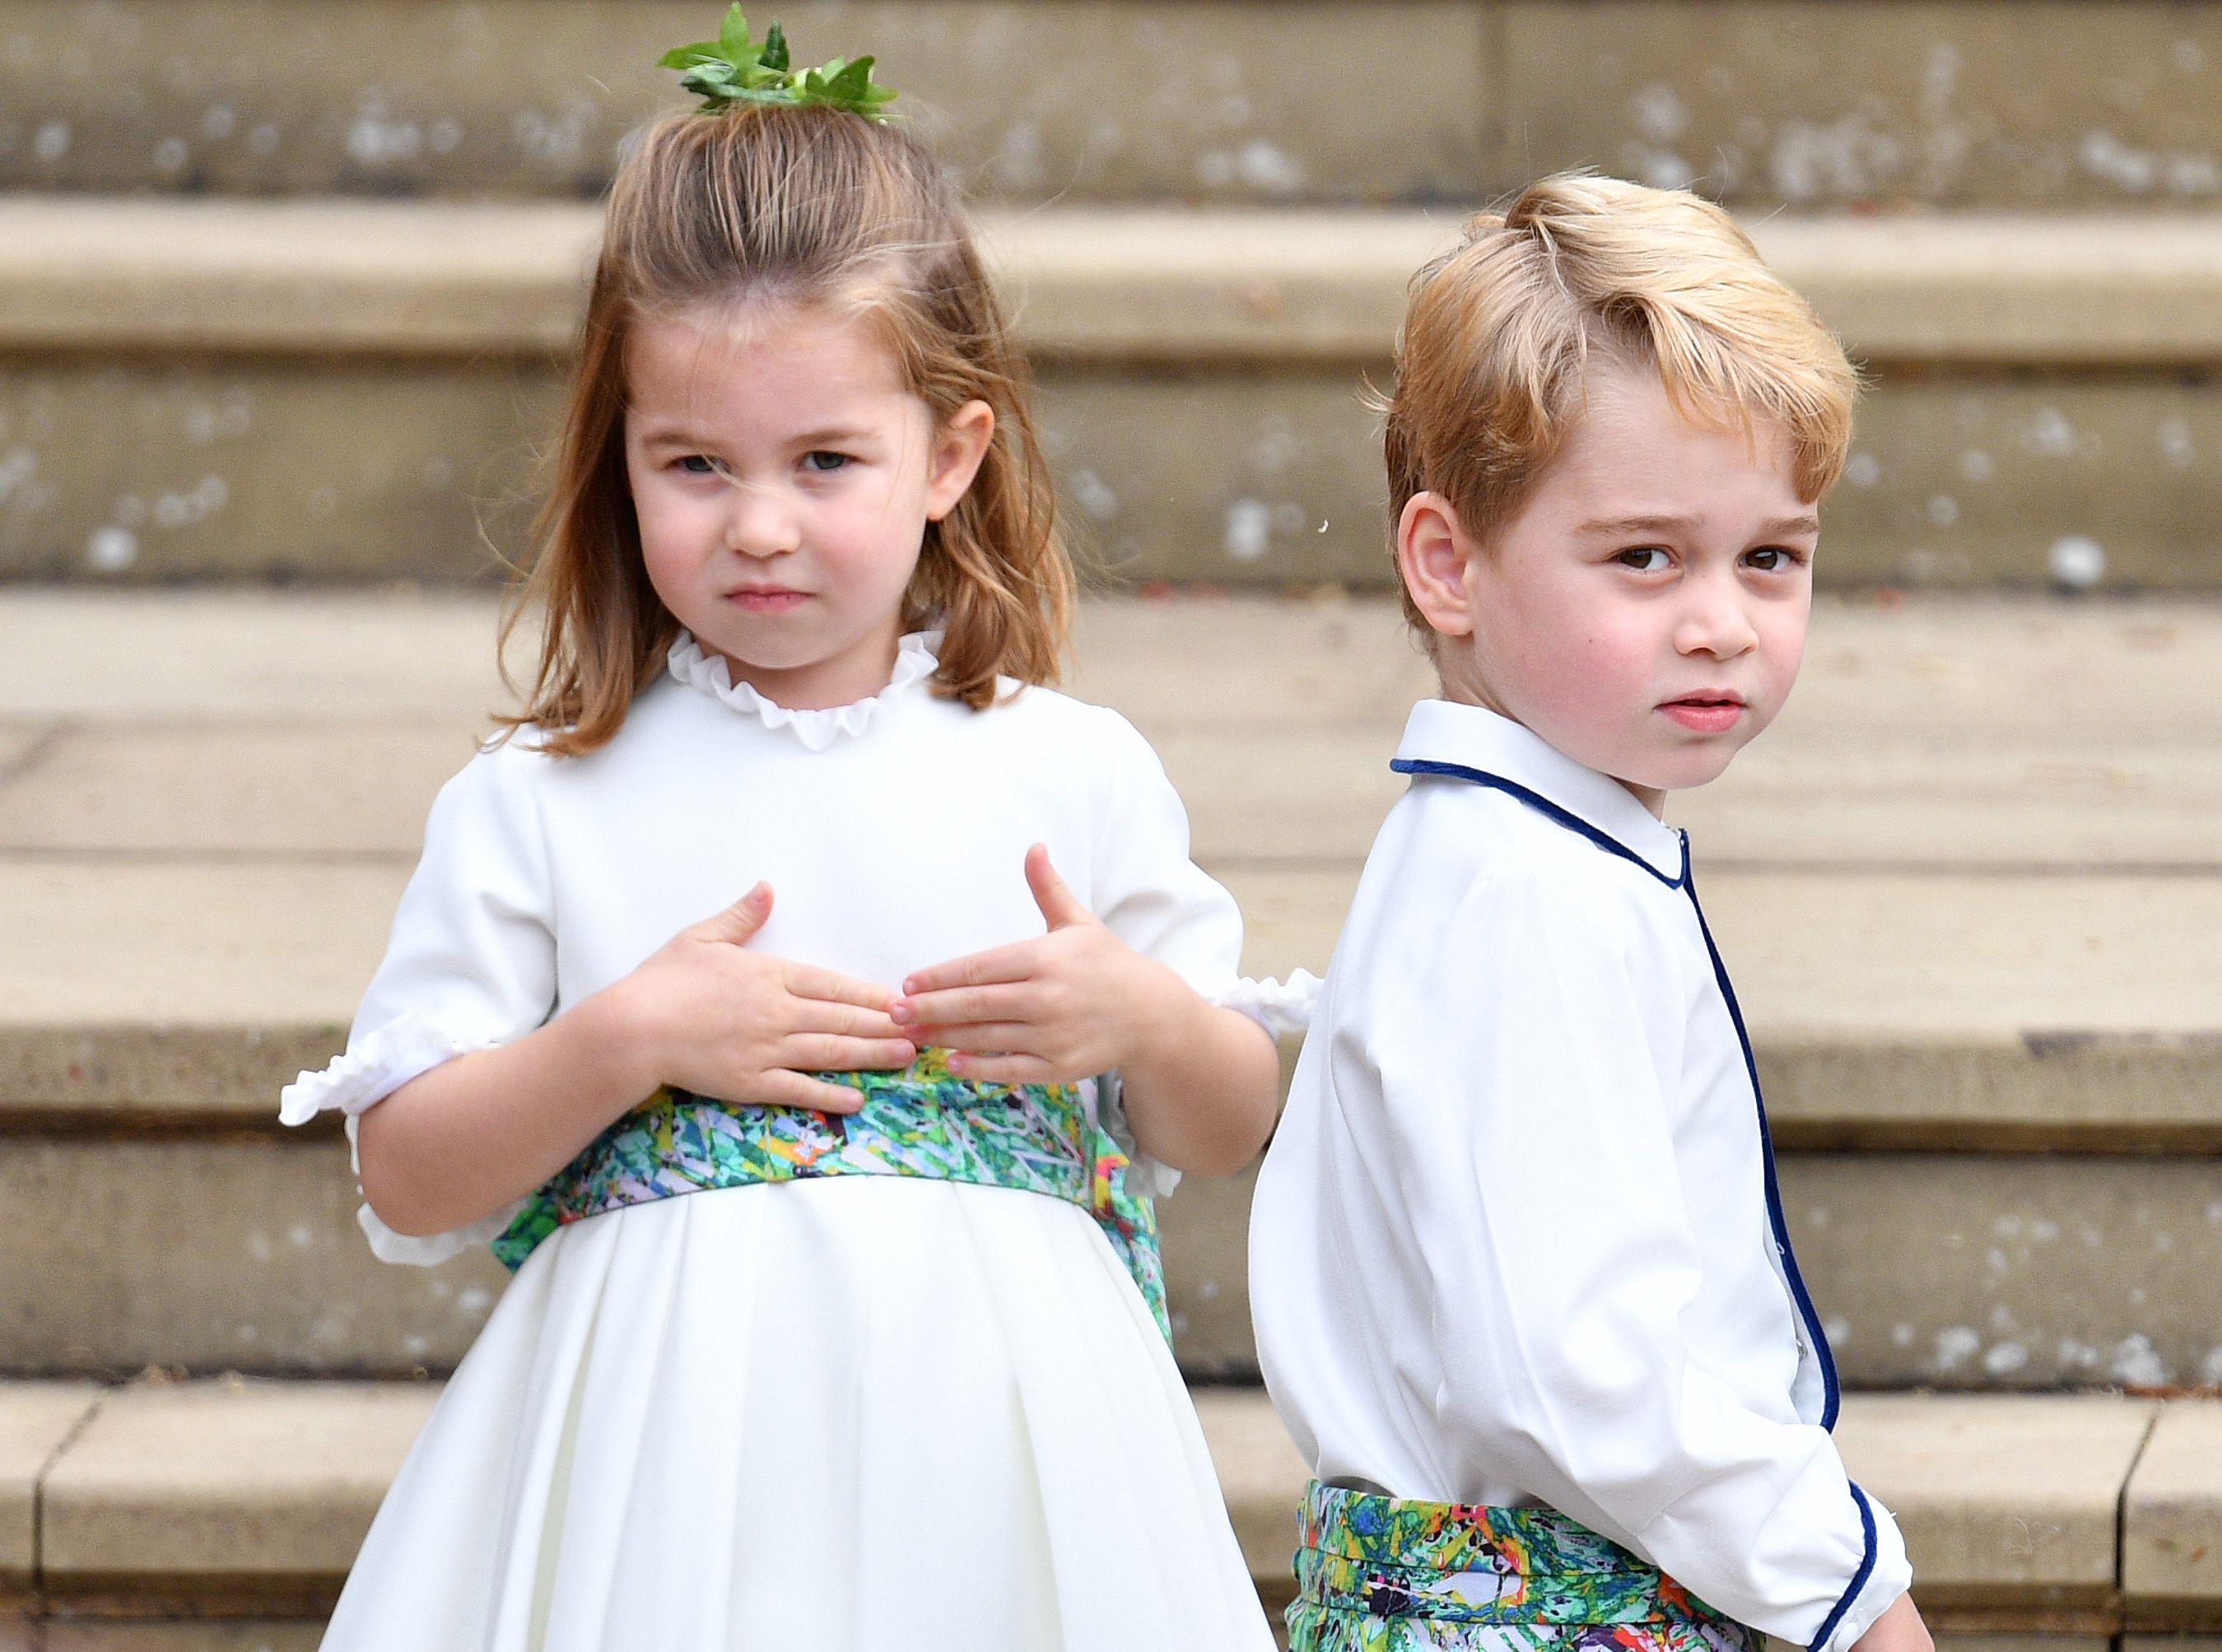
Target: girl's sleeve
pixel 1561 1291
pixel 1149 893
pixel 470 964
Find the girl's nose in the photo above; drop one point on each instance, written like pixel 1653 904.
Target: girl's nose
pixel 760 523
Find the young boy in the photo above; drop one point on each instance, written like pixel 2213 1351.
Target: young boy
pixel 1522 1289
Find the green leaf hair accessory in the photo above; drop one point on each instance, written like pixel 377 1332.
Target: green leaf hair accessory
pixel 737 69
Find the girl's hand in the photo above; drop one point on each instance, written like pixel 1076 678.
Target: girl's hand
pixel 1064 1007
pixel 707 1015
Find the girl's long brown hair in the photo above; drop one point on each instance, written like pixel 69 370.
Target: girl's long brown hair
pixel 799 206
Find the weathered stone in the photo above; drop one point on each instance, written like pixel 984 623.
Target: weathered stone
pixel 2001 1498
pixel 217 1254
pixel 1262 1478
pixel 1814 104
pixel 1953 1271
pixel 99 1634
pixel 36 1418
pixel 515 97
pixel 2172 1522
pixel 365 469
pixel 1169 287
pixel 226 1488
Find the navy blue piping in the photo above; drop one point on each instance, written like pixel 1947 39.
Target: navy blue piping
pixel 1543 805
pixel 1831 1393
pixel 1858 1577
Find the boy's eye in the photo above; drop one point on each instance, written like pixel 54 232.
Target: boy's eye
pixel 1649 559
pixel 1772 559
pixel 824 460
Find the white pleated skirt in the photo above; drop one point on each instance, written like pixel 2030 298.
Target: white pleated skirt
pixel 858 1414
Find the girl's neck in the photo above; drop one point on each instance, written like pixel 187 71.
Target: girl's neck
pixel 855 673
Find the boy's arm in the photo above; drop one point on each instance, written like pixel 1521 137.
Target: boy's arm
pixel 1537 1163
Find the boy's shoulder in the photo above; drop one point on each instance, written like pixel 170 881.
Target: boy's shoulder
pixel 1502 870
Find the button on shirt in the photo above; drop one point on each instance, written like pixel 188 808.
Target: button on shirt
pixel 1517 1240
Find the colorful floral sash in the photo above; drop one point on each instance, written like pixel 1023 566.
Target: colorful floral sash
pixel 1385 1574
pixel 921 1122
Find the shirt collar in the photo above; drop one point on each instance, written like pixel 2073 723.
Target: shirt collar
pixel 1471 737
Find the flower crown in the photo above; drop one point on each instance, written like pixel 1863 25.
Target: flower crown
pixel 735 69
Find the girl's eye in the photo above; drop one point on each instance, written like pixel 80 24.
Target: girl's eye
pixel 823 460
pixel 699 464
pixel 1649 559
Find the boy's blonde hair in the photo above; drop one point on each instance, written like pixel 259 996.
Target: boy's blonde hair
pixel 816 207
pixel 1492 360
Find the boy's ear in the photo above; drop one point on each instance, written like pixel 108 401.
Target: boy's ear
pixel 1433 554
pixel 958 448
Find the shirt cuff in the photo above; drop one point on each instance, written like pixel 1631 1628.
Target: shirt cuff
pixel 1885 1574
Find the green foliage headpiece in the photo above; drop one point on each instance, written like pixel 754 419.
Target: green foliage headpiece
pixel 735 69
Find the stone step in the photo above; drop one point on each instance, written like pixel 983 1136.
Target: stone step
pixel 1969 885
pixel 244 1501
pixel 351 391
pixel 1951 104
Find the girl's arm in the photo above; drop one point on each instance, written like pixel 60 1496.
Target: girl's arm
pixel 476 1133
pixel 1200 1083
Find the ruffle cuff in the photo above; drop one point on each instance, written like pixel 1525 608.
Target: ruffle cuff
pixel 430 1249
pixel 1149 1177
pixel 1278 1006
pixel 374 1067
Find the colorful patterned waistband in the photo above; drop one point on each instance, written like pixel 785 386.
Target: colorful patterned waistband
pixel 921 1122
pixel 1365 1562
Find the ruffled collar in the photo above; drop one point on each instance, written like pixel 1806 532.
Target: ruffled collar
pixel 817 729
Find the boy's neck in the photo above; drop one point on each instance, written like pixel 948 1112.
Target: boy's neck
pixel 1462 694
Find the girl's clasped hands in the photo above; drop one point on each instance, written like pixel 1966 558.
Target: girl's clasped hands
pixel 707 1014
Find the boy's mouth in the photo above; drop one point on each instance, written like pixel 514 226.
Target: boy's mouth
pixel 1707 711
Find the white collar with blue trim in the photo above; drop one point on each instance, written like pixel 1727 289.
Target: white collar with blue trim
pixel 1472 737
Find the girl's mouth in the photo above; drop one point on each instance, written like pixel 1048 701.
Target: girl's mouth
pixel 766 599
pixel 1707 713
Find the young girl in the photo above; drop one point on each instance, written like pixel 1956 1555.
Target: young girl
pixel 752 996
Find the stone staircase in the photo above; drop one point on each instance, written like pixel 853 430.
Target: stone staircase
pixel 306 271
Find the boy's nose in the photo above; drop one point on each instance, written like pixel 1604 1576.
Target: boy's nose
pixel 1719 628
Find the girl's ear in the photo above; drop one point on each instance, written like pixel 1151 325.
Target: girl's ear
pixel 1432 557
pixel 958 448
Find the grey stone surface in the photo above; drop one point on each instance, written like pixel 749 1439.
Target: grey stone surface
pixel 515 96
pixel 1809 104
pixel 226 1486
pixel 213 1255
pixel 36 1418
pixel 2172 1519
pixel 2000 1498
pixel 111 1635
pixel 1950 1270
pixel 362 469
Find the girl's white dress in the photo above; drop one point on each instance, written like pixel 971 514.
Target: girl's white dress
pixel 868 1412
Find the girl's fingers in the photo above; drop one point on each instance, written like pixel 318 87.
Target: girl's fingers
pixel 849 1020
pixel 827 1053
pixel 780 1088
pixel 809 981
pixel 1003 1069
pixel 1060 907
pixel 1003 1037
pixel 961 1006
pixel 998 964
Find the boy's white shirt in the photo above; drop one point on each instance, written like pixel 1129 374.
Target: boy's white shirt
pixel 1515 1241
